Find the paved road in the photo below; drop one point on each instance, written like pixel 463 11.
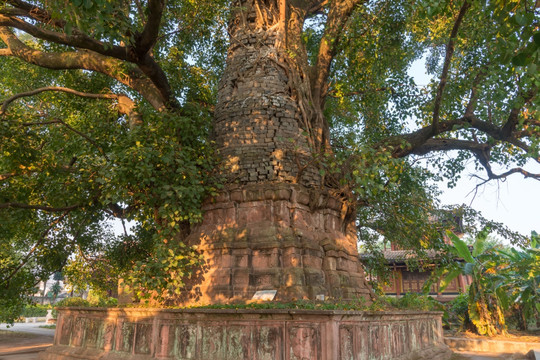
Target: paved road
pixel 486 356
pixel 24 341
pixel 31 328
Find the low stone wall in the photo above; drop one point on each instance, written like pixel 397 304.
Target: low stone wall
pixel 90 333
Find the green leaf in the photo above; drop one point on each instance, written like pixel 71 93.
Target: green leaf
pixel 468 268
pixel 480 242
pixel 461 247
pixel 521 59
pixel 452 274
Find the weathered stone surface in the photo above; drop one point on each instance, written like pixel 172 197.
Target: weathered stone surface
pixel 308 247
pixel 202 334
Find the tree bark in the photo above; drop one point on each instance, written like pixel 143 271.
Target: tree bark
pixel 275 226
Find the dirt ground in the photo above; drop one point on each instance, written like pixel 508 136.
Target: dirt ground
pixel 512 335
pixel 22 346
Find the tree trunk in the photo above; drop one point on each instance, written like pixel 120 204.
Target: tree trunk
pixel 275 226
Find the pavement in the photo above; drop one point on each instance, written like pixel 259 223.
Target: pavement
pixel 24 341
pixel 488 356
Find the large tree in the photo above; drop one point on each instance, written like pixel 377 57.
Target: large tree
pixel 143 110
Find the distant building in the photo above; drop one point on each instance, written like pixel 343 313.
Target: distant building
pixel 404 280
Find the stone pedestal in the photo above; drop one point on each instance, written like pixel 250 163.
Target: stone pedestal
pixel 282 237
pixel 202 334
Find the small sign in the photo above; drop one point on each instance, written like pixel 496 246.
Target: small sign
pixel 319 297
pixel 264 295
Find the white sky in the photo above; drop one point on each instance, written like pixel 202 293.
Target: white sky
pixel 514 202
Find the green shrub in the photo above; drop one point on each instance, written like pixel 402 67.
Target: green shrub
pixel 100 299
pixel 414 301
pixel 35 311
pixel 458 310
pixel 69 302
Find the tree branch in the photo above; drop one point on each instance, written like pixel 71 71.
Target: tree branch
pixel 316 6
pixel 15 205
pixel 89 139
pixel 339 14
pixel 8 101
pixel 510 125
pixel 525 173
pixel 147 38
pixel 36 13
pixel 451 144
pixel 446 66
pixel 125 73
pixel 79 40
pixel 34 248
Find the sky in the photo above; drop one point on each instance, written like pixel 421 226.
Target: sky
pixel 514 202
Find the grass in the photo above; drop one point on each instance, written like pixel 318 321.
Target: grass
pixel 48 326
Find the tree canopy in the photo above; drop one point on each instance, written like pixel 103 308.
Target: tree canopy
pixel 106 110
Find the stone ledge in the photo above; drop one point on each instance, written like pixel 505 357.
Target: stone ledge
pixel 226 334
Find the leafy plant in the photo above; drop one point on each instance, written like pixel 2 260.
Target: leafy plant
pixel 35 311
pixel 521 286
pixel 69 302
pixel 485 297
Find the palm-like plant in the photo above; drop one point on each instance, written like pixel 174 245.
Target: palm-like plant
pixel 521 272
pixel 485 315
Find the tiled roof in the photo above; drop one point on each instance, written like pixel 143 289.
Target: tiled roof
pixel 401 255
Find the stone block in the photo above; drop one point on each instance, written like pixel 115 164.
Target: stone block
pixel 126 337
pixel 267 258
pixel 185 346
pixel 346 342
pixel 65 325
pixel 94 328
pixel 253 212
pixel 240 261
pixel 213 344
pixel 282 213
pixel 240 278
pixel 292 257
pixel 143 339
pixel 78 334
pixel 254 195
pixel 108 333
pixel 262 231
pixel 238 342
pixel 331 222
pixel 314 277
pixel 312 261
pixel 304 343
pixel 303 219
pixel 266 279
pixel 329 263
pixel 220 216
pixel 237 196
pixel 293 277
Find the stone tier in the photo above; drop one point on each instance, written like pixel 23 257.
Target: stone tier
pixel 226 334
pixel 258 124
pixel 282 237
